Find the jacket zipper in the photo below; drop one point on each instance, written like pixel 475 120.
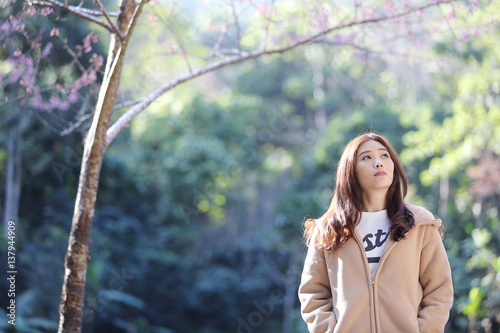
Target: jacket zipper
pixel 373 303
pixel 371 279
pixel 385 253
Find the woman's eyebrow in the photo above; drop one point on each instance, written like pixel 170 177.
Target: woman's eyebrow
pixel 367 151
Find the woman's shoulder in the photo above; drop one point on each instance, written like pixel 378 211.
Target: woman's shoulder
pixel 421 214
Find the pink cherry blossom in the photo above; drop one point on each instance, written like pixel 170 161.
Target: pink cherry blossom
pixel 263 9
pixel 389 6
pixel 54 32
pixel 152 18
pixel 46 11
pixel 97 60
pixel 88 41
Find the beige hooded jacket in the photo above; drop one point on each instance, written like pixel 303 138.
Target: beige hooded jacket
pixel 411 290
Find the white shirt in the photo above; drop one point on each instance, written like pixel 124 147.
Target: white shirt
pixel 373 228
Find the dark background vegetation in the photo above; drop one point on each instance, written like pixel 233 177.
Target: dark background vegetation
pixel 201 200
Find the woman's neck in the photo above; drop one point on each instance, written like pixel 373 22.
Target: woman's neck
pixel 374 202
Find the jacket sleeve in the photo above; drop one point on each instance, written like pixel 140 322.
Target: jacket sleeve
pixel 435 277
pixel 315 293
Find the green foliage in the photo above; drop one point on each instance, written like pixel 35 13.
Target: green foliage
pixel 456 137
pixel 202 199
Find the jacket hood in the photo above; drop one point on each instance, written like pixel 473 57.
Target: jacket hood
pixel 423 216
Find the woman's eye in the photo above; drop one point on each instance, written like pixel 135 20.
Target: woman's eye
pixel 385 155
pixel 365 157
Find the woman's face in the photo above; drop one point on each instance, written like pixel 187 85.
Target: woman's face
pixel 374 167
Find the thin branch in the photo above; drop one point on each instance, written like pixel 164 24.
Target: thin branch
pixel 80 9
pixel 73 55
pixel 105 13
pixel 237 25
pixel 46 123
pixel 215 49
pixel 133 21
pixel 127 104
pixel 229 51
pixel 77 124
pixel 125 119
pixel 118 57
pixel 71 9
pixel 184 51
pixel 356 8
pixel 448 22
pixel 266 29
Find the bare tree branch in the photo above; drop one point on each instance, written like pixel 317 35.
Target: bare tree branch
pixel 126 37
pixel 125 119
pixel 184 53
pixel 105 13
pixel 266 29
pixel 81 9
pixel 78 11
pixel 215 49
pixel 133 21
pixel 127 104
pixel 237 25
pixel 448 23
pixel 73 55
pixel 82 116
pixel 76 124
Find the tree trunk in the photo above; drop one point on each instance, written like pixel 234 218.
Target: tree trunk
pixel 77 256
pixel 13 178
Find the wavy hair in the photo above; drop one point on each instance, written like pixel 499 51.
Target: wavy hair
pixel 337 225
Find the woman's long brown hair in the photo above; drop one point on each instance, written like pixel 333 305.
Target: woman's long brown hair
pixel 337 225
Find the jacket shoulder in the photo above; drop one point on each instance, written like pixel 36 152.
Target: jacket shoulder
pixel 422 215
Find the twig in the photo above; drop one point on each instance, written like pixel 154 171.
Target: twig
pixel 81 9
pixel 184 51
pixel 215 49
pixel 71 9
pixel 46 123
pixel 73 55
pixel 237 25
pixel 105 13
pixel 127 104
pixel 266 29
pixel 133 21
pixel 448 23
pixel 76 125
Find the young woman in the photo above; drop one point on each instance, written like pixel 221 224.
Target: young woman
pixel 375 263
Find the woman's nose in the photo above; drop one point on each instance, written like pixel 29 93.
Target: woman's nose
pixel 378 164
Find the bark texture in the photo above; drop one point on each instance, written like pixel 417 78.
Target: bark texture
pixel 77 256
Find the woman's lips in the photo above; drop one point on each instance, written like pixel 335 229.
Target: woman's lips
pixel 380 173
